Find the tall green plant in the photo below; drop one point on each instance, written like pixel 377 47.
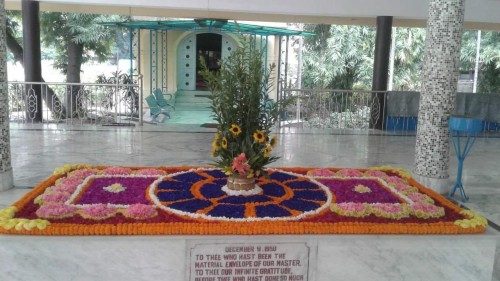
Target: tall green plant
pixel 338 56
pixel 489 61
pixel 408 58
pixel 243 110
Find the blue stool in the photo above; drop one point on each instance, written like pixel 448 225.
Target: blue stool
pixel 470 127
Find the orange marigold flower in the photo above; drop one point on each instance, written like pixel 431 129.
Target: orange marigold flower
pixel 259 136
pixel 224 143
pixel 235 129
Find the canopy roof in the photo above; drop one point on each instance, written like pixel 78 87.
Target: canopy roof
pixel 223 26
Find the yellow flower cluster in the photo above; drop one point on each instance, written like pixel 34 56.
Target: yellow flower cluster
pixel 7 213
pixel 259 137
pixel 476 219
pixel 369 209
pixel 115 188
pixel 67 168
pixel 362 189
pixel 7 221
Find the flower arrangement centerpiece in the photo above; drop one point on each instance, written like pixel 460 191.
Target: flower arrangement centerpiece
pixel 245 114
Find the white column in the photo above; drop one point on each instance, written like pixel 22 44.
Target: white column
pixel 437 96
pixel 6 179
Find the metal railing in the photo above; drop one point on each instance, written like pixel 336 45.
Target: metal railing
pixel 75 103
pixel 333 109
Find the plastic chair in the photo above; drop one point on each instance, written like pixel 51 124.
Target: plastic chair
pixel 155 109
pixel 160 99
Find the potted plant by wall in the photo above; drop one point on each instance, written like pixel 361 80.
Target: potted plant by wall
pixel 244 113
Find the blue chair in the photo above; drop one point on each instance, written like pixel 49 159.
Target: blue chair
pixel 160 99
pixel 154 109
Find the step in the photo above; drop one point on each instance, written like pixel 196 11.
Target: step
pixel 208 111
pixel 190 117
pixel 192 99
pixel 179 106
pixel 193 92
pixel 201 94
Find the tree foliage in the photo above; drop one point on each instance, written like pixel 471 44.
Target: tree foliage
pixel 341 57
pixel 64 29
pixel 408 58
pixel 338 56
pixel 14 36
pixel 74 38
pixel 489 59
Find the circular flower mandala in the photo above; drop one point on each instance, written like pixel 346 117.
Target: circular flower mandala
pixel 199 194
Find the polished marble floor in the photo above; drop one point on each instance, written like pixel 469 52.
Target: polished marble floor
pixel 38 150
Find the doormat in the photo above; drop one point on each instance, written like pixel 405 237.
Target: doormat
pixel 101 200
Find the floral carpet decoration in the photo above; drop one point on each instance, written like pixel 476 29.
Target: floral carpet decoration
pixel 94 200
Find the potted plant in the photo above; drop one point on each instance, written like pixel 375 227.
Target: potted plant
pixel 244 113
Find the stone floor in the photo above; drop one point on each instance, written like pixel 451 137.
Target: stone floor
pixel 38 150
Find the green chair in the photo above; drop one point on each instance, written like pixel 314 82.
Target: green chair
pixel 160 99
pixel 154 109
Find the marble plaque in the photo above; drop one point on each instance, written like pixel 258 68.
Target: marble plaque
pixel 273 261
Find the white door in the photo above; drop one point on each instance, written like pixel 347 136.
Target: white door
pixel 228 46
pixel 186 76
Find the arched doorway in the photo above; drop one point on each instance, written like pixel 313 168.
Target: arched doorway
pixel 211 46
pixel 208 47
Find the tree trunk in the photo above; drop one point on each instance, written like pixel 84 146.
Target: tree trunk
pixel 48 95
pixel 15 48
pixel 75 54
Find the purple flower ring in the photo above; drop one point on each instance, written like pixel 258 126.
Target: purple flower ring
pixel 198 193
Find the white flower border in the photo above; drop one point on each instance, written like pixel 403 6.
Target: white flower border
pixel 158 204
pixel 254 191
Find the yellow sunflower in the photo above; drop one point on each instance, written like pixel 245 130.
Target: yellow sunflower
pixel 274 141
pixel 235 129
pixel 267 151
pixel 216 136
pixel 215 146
pixel 224 143
pixel 259 136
